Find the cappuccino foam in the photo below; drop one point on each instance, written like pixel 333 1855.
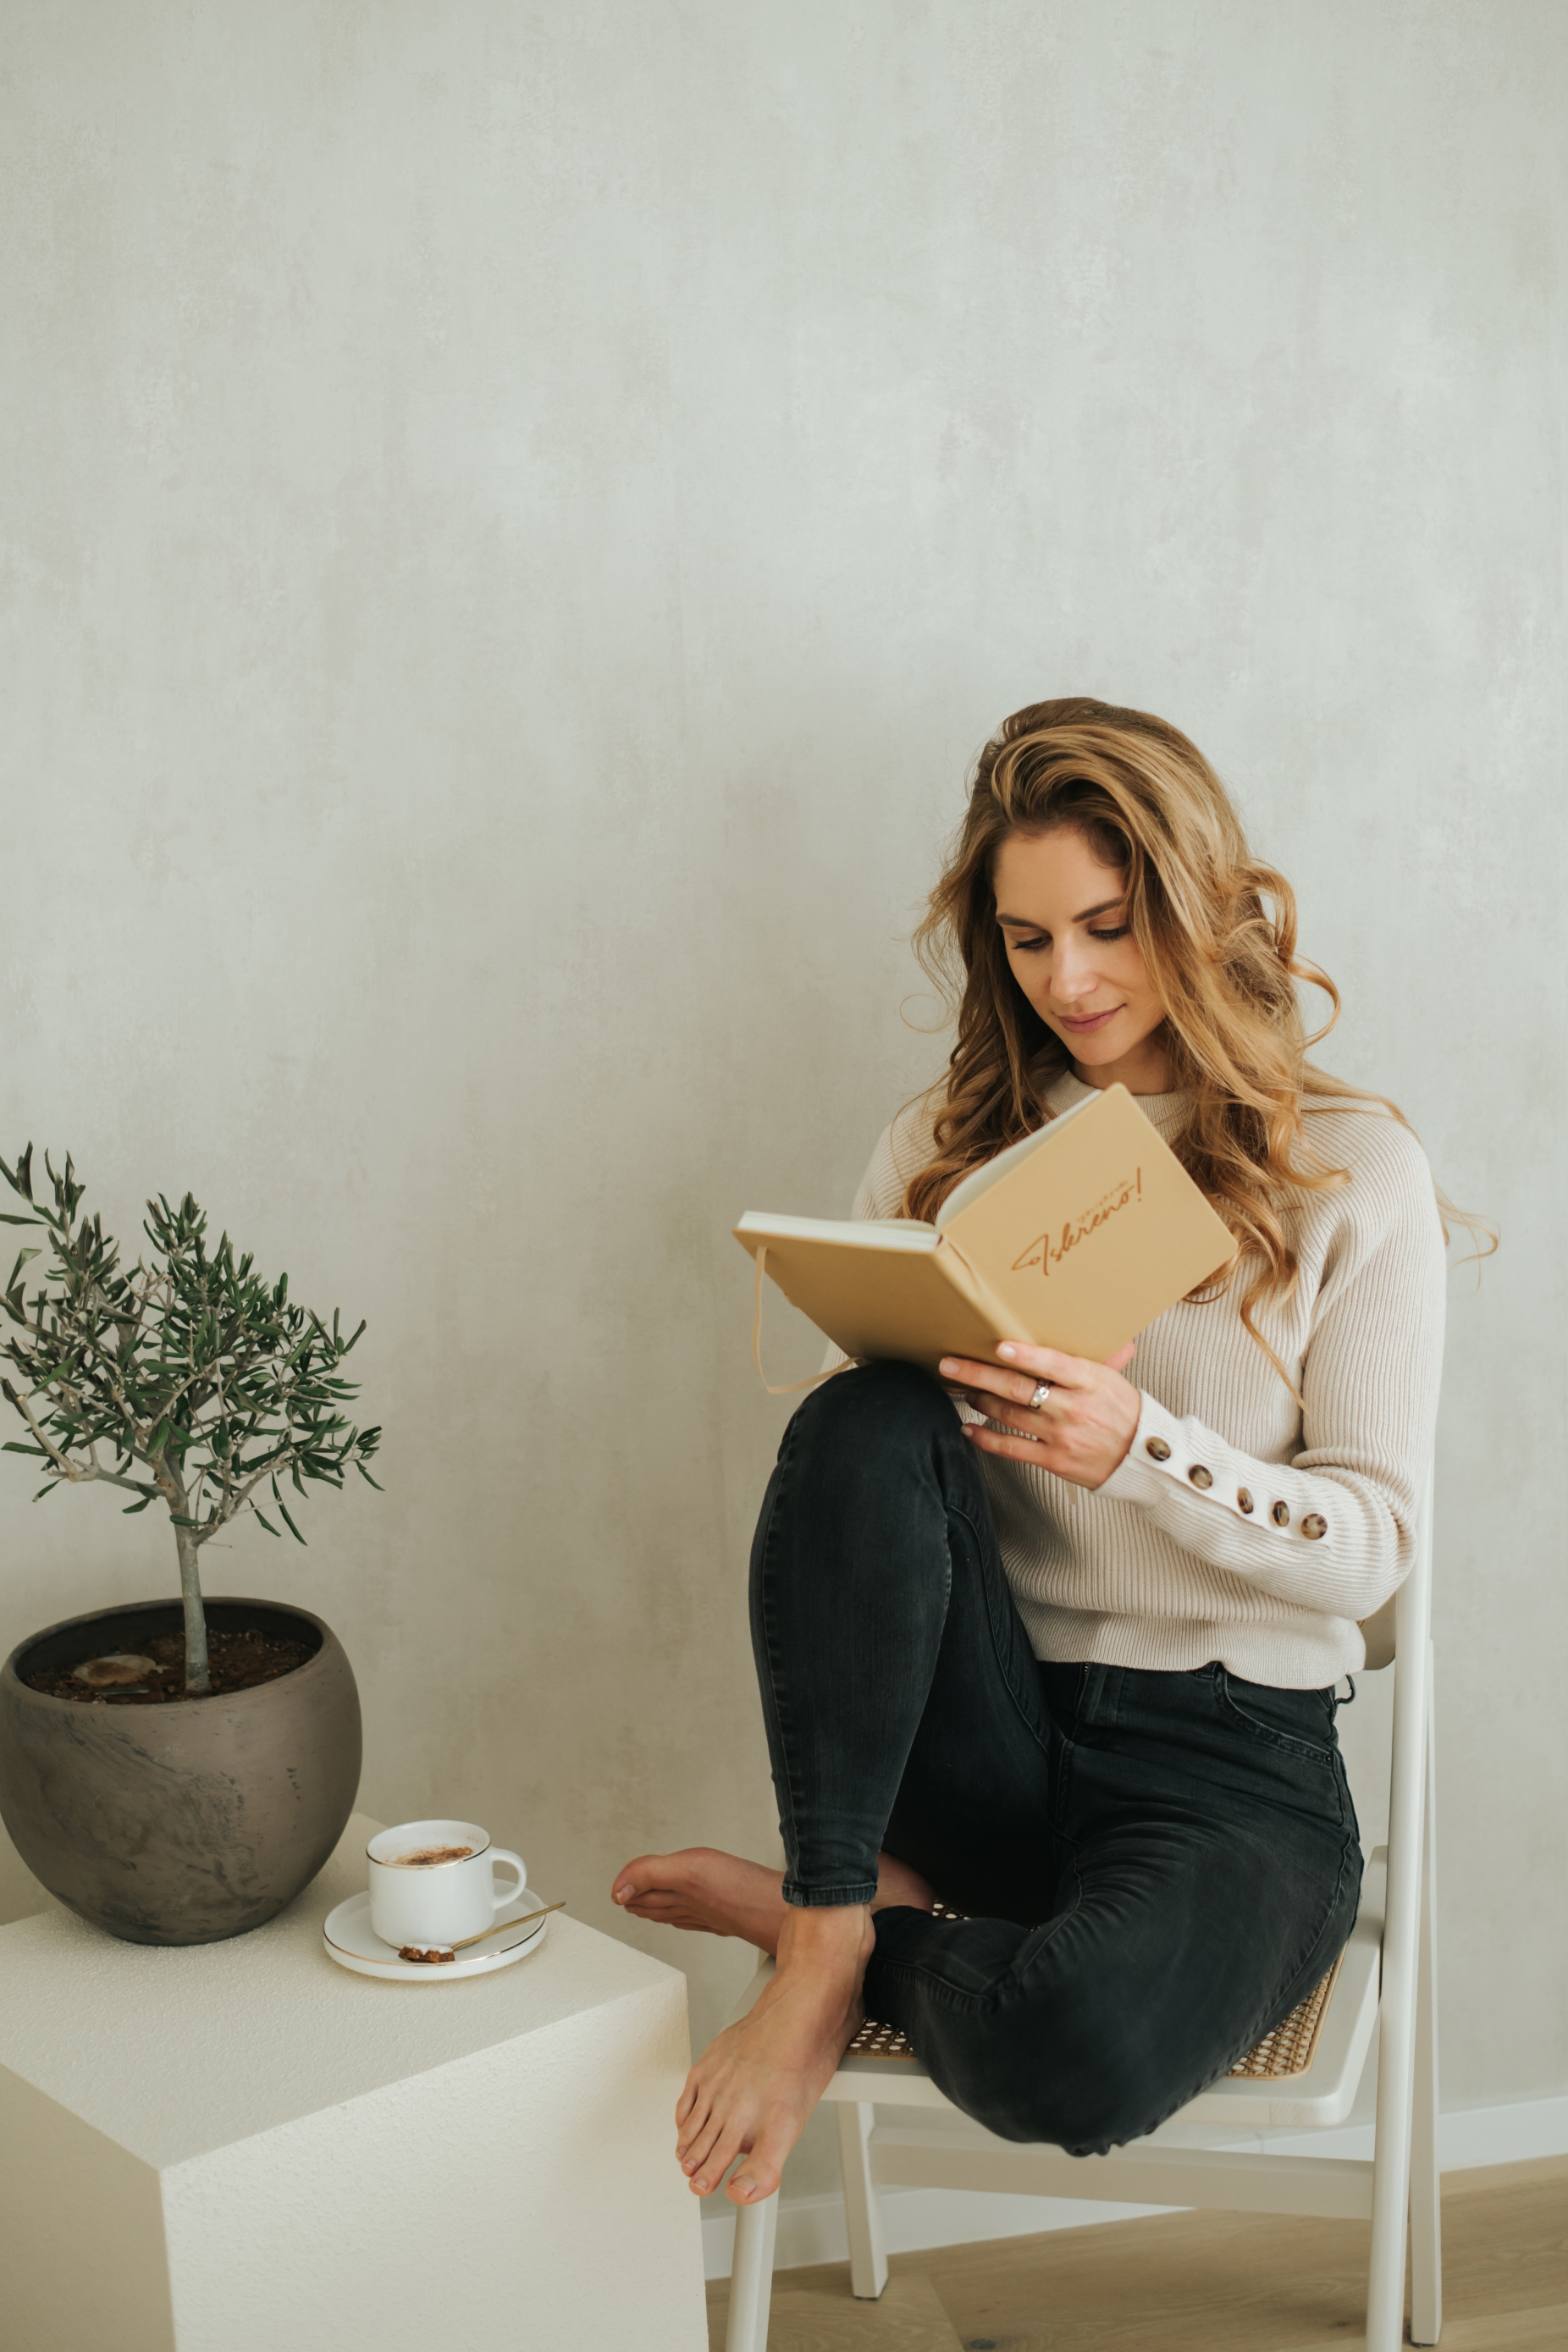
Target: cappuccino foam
pixel 426 1854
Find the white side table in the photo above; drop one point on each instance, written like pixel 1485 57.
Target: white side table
pixel 239 2148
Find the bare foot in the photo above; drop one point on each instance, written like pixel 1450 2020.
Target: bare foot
pixel 712 1893
pixel 715 1893
pixel 749 2093
pixel 899 1887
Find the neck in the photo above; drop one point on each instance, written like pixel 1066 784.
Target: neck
pixel 1146 1070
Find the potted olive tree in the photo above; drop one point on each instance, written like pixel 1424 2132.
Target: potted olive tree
pixel 175 1770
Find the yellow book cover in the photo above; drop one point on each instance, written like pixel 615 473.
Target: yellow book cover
pixel 1075 1238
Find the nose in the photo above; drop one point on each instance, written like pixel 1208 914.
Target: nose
pixel 1072 977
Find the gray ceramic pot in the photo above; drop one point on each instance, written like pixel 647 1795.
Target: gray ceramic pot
pixel 186 1823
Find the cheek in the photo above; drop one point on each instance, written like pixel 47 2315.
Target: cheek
pixel 1121 962
pixel 1135 979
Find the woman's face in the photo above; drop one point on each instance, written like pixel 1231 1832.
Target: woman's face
pixel 1063 919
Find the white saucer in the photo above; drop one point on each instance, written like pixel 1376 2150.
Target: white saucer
pixel 352 1942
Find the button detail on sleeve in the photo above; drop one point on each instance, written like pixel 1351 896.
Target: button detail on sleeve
pixel 1200 1477
pixel 1280 1515
pixel 1156 1449
pixel 1313 1526
pixel 1244 1500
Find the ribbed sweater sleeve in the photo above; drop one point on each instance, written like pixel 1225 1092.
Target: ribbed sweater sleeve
pixel 1332 1528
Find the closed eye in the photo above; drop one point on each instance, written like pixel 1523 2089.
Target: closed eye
pixel 1032 947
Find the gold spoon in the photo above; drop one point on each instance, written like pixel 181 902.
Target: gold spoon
pixel 437 1953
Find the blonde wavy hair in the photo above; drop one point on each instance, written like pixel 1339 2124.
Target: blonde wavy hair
pixel 1218 931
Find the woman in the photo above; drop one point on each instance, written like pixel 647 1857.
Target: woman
pixel 1066 1659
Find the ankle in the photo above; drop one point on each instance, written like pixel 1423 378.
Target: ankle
pixel 833 1939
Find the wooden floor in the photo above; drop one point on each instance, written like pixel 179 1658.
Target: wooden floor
pixel 1199 2282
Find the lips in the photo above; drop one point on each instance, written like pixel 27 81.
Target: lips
pixel 1089 1023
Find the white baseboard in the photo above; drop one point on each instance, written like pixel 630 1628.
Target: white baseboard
pixel 811 2229
pixel 1466 2136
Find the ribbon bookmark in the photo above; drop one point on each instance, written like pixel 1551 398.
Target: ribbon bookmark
pixel 789 1388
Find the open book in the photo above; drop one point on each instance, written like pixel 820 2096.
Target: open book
pixel 1075 1238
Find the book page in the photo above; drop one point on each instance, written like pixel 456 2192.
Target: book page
pixel 877 1293
pixel 980 1180
pixel 865 1233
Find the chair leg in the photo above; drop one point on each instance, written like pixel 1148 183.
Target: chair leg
pixel 862 2206
pixel 1426 2206
pixel 1397 2001
pixel 751 2276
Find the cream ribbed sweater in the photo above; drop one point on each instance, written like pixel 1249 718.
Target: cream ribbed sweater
pixel 1151 1569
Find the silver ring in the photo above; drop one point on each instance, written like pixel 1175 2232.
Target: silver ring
pixel 1042 1390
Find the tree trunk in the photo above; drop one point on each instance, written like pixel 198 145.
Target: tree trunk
pixel 196 1678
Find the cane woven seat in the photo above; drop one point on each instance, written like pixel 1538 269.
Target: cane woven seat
pixel 1287 2051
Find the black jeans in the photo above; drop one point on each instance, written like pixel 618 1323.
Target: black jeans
pixel 1157 1866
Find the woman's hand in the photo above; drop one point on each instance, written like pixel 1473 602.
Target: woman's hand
pixel 1081 1430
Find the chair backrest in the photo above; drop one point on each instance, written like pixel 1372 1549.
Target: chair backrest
pixel 1380 1636
pixel 1409 1828
pixel 1382 1633
pixel 1412 1643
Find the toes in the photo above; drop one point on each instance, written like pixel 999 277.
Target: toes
pixel 694 2146
pixel 699 2153
pixel 661 1908
pixel 694 2101
pixel 647 1870
pixel 716 2163
pixel 763 2168
pixel 691 2106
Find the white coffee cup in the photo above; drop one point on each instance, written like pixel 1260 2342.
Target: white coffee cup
pixel 433 1882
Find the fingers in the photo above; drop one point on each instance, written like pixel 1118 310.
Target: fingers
pixel 1084 1439
pixel 961 1378
pixel 1021 1413
pixel 1048 1364
pixel 1021 1367
pixel 988 1380
pixel 1020 1376
pixel 1012 1449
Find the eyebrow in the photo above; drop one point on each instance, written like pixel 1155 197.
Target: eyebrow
pixel 1017 923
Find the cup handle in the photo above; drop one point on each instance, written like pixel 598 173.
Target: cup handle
pixel 505 1853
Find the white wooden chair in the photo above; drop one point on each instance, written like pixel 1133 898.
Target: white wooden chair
pixel 1306 2073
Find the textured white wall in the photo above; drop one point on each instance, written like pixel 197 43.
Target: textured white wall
pixel 518 518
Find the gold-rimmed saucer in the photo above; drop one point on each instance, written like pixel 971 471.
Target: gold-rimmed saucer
pixel 350 1940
